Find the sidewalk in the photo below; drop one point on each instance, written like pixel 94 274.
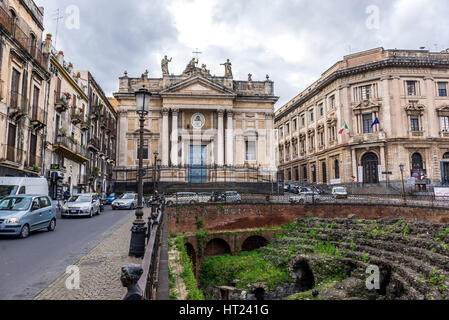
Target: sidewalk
pixel 100 270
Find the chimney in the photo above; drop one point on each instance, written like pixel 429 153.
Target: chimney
pixel 60 57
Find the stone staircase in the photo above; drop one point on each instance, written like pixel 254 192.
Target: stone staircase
pixel 415 255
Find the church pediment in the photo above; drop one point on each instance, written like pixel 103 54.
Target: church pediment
pixel 366 106
pixel 197 85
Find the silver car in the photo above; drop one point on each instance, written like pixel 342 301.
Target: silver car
pixel 126 201
pixel 86 205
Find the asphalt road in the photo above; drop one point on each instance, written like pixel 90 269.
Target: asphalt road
pixel 27 266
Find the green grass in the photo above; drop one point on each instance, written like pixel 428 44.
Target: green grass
pixel 248 268
pixel 193 293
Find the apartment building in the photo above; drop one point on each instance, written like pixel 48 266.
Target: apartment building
pixel 375 115
pixel 23 87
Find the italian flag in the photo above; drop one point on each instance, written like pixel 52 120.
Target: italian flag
pixel 345 127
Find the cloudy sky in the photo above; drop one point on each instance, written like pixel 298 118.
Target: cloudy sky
pixel 294 41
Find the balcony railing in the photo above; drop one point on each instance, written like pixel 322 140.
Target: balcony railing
pixel 38 117
pixel 71 146
pixel 94 143
pixel 61 103
pixel 20 35
pixel 35 161
pixel 12 154
pixel 18 104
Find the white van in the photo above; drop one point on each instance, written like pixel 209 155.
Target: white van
pixel 11 186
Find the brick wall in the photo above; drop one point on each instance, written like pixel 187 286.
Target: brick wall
pixel 232 217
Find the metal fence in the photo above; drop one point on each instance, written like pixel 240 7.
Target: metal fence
pixel 191 198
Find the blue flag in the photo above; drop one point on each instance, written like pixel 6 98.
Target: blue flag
pixel 375 122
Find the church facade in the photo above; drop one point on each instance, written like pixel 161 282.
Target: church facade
pixel 203 128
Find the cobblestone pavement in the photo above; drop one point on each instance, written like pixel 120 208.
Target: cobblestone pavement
pixel 100 270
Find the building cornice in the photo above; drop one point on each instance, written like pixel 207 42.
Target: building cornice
pixel 68 78
pixel 390 62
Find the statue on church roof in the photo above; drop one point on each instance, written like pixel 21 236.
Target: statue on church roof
pixel 228 68
pixel 191 67
pixel 204 70
pixel 164 65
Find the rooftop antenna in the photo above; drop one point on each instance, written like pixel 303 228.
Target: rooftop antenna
pixel 56 18
pixel 422 48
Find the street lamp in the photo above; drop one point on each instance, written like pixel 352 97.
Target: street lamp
pixel 401 167
pixel 138 231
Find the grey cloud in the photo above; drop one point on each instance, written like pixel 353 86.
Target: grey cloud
pixel 119 35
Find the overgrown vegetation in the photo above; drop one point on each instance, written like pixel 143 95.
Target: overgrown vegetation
pixel 248 268
pixel 193 293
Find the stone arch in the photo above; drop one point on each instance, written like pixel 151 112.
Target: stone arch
pixel 305 279
pixel 370 162
pixel 192 254
pixel 216 247
pixel 254 242
pixel 417 161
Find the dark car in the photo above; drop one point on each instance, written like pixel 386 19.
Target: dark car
pixel 111 198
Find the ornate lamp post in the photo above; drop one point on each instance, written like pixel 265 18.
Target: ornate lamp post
pixel 138 231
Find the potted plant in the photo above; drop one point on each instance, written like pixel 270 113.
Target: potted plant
pixel 36 168
pixel 78 75
pixel 62 132
pixel 48 36
pixel 61 53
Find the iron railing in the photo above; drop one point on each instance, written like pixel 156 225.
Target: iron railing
pixel 150 264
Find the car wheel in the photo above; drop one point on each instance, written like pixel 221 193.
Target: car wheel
pixel 169 203
pixel 192 202
pixel 52 225
pixel 91 213
pixel 239 201
pixel 131 207
pixel 113 208
pixel 25 232
pixel 301 201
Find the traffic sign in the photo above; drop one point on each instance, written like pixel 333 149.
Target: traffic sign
pixel 387 172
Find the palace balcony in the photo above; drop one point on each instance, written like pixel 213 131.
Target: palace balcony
pixel 38 118
pixel 61 105
pixel 18 105
pixel 368 137
pixel 94 144
pixel 77 118
pixel 30 46
pixel 12 156
pixel 85 125
pixel 70 149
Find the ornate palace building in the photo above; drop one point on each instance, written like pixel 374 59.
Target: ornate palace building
pixel 366 116
pixel 204 128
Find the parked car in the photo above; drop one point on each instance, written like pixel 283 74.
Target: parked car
pixel 182 198
pixel 12 186
pixel 111 198
pixel 205 197
pixel 339 193
pixel 307 197
pixel 232 197
pixel 126 201
pixel 20 215
pixel 87 205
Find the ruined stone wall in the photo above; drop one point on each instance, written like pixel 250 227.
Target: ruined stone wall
pixel 232 217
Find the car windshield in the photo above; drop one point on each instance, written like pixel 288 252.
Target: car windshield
pixel 80 199
pixel 127 196
pixel 340 190
pixel 112 195
pixel 7 190
pixel 15 204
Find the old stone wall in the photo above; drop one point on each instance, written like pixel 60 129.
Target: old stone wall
pixel 188 219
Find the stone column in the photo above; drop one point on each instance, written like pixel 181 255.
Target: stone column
pixel 174 138
pixel 230 140
pixel 220 140
pixel 354 166
pixel 165 137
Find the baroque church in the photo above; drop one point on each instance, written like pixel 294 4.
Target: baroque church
pixel 202 128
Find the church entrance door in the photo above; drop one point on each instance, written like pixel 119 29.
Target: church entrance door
pixel 198 164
